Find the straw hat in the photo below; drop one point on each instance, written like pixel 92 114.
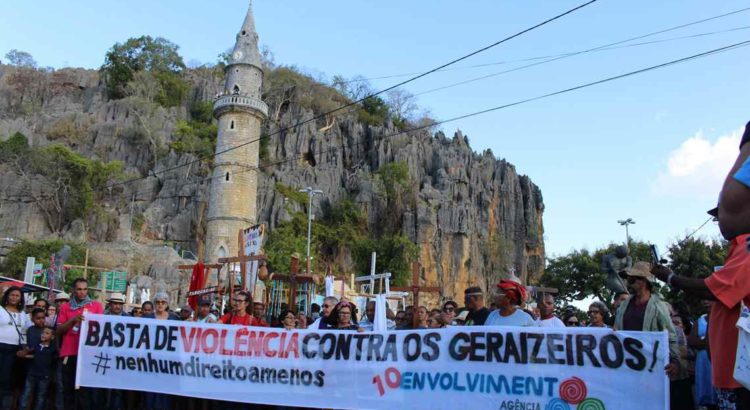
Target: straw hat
pixel 640 270
pixel 116 297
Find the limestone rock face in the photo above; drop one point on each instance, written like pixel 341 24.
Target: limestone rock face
pixel 473 216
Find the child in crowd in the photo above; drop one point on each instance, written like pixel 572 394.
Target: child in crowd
pixel 34 333
pixel 43 358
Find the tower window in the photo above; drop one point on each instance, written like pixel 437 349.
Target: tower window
pixel 244 33
pixel 236 89
pixel 231 125
pixel 226 177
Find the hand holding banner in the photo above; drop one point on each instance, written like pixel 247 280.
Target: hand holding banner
pixel 492 367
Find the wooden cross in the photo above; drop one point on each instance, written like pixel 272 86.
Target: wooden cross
pixel 415 289
pixel 241 259
pixel 294 278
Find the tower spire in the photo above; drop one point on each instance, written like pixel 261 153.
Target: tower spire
pixel 240 112
pixel 246 47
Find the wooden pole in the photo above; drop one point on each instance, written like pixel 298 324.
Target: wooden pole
pixel 85 264
pixel 241 252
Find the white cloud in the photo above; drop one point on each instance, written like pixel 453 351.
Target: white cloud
pixel 698 167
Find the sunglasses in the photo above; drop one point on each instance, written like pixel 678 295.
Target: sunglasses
pixel 591 312
pixel 448 309
pixel 239 300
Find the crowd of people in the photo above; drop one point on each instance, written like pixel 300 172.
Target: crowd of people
pixel 39 342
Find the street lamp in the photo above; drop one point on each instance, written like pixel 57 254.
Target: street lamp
pixel 310 194
pixel 625 223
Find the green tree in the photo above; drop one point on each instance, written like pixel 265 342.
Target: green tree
pixel 395 178
pixel 15 260
pixel 395 253
pixel 694 258
pixel 157 56
pixel 579 274
pixel 195 137
pixel 71 186
pixel 374 111
pixel 20 58
pixel 396 184
pixel 14 147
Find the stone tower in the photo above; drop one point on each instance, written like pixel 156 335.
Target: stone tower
pixel 240 113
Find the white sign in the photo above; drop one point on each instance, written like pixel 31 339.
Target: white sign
pixel 253 241
pixel 482 367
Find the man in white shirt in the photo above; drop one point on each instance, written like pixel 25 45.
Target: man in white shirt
pixel 547 312
pixel 369 322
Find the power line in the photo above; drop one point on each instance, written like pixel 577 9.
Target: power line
pixel 350 104
pixel 539 97
pixel 333 149
pixel 299 156
pixel 605 47
pixel 523 60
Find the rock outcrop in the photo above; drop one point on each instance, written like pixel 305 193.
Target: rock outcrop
pixel 472 215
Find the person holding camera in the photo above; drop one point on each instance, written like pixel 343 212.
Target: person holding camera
pixel 730 285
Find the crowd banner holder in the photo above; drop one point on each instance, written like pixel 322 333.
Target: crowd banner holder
pixel 498 368
pixel 415 289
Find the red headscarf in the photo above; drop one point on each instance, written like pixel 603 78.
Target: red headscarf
pixel 513 290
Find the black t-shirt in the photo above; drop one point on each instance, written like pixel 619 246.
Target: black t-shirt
pixel 43 362
pixel 34 336
pixel 632 319
pixel 477 317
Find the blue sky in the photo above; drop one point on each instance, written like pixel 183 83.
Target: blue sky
pixel 651 147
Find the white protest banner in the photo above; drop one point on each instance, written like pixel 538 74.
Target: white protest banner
pixel 253 239
pixel 452 368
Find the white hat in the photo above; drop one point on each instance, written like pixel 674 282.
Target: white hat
pixel 117 297
pixel 62 296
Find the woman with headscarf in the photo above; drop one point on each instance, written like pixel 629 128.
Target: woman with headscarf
pixel 13 325
pixel 508 297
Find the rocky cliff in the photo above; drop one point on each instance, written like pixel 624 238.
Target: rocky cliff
pixel 473 217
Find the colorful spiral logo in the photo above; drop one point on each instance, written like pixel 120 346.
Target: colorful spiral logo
pixel 573 390
pixel 557 404
pixel 591 404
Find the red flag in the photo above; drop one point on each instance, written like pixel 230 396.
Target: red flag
pixel 197 281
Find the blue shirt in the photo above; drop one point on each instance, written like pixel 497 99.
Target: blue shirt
pixel 743 174
pixel 518 318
